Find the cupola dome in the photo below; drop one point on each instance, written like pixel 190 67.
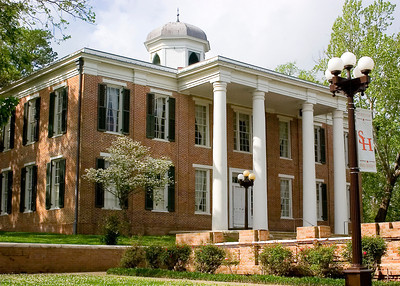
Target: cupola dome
pixel 177 44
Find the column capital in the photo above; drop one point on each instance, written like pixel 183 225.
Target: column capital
pixel 337 114
pixel 219 86
pixel 307 106
pixel 257 94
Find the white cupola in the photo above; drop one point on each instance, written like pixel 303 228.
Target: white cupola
pixel 177 44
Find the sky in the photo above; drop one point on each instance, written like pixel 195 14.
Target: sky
pixel 265 33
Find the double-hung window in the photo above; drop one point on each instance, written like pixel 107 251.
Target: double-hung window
pixel 113 109
pixel 58 112
pixel 242 132
pixel 31 121
pixel 346 148
pixel 201 125
pixel 322 201
pixel 6 180
pixel 160 121
pixel 28 188
pixel 105 198
pixel 286 196
pixel 202 191
pixel 7 134
pixel 284 139
pixel 319 144
pixel 162 198
pixel 55 184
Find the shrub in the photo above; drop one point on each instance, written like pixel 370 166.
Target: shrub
pixel 111 230
pixel 276 260
pixel 154 256
pixel 208 258
pixel 175 257
pixel 372 248
pixel 135 256
pixel 318 261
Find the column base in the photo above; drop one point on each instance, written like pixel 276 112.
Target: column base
pixel 358 276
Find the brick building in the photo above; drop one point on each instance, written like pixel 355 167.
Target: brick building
pixel 212 117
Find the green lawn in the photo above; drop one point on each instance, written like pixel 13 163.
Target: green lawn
pixel 85 279
pixel 51 238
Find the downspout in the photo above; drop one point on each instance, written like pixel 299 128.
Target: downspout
pixel 79 64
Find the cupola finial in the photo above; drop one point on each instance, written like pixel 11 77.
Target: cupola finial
pixel 177 14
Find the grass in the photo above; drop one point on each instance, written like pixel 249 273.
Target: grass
pixel 85 279
pixel 52 238
pixel 261 279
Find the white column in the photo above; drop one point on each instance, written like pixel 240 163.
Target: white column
pixel 309 189
pixel 220 161
pixel 339 174
pixel 260 211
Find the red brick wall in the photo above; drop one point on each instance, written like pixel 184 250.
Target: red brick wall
pixel 57 258
pixel 182 152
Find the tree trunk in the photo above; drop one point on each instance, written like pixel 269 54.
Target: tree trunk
pixel 383 207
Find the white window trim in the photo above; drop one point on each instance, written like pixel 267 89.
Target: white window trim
pixel 33 96
pixel 156 91
pixel 208 187
pixel 4 187
pixel 288 121
pixel 119 86
pixel 207 106
pixel 61 85
pixel 319 181
pixel 166 131
pixel 26 202
pixel 114 83
pixel 241 110
pixel 29 164
pixel 290 178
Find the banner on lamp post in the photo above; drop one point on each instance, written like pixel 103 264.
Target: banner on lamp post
pixel 365 141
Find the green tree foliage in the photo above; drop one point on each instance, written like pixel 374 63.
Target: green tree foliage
pixel 27 28
pixel 292 69
pixel 131 169
pixel 364 31
pixel 7 106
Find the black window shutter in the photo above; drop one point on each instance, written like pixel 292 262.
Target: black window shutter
pixel 2 139
pixel 34 188
pixel 37 118
pixel 150 120
pixel 171 189
pixel 99 190
pixel 25 128
pixel 125 111
pixel 102 108
pixel 9 194
pixel 22 195
pixel 1 195
pixel 48 185
pixel 171 119
pixel 51 114
pixel 64 114
pixel 149 199
pixel 324 202
pixel 62 184
pixel 322 144
pixel 12 129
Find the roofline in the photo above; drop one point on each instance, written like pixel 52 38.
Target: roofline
pixel 241 64
pixel 215 60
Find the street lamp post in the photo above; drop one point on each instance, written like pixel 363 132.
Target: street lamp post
pixel 246 180
pixel 357 274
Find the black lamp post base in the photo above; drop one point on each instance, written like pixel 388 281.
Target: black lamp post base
pixel 358 276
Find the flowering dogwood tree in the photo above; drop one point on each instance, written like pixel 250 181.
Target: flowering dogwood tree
pixel 131 168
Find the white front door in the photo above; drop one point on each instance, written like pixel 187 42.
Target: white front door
pixel 237 206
